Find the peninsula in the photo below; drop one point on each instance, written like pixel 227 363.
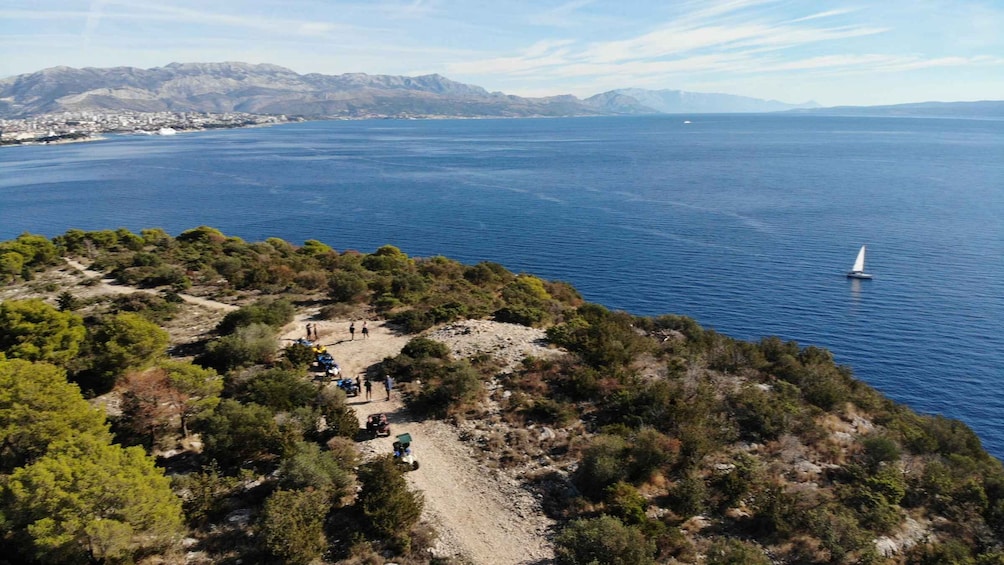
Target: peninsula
pixel 547 428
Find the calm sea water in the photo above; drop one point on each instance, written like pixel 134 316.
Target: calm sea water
pixel 745 223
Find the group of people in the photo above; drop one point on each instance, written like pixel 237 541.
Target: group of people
pixel 312 331
pixel 388 383
pixel 352 331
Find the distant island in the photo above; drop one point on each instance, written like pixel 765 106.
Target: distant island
pixel 982 109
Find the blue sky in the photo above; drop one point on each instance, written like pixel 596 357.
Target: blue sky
pixel 833 52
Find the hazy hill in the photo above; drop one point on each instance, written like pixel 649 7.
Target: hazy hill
pixel 683 102
pixel 985 109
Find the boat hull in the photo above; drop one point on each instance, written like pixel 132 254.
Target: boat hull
pixel 857 275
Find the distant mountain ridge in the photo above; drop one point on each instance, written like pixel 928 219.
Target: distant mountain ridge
pixel 271 89
pixel 985 109
pixel 261 89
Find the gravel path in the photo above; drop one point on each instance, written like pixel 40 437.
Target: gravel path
pixel 106 286
pixel 481 516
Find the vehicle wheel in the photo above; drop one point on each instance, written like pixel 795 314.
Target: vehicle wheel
pixel 414 465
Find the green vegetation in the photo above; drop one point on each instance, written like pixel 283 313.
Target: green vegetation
pixel 35 331
pixel 647 427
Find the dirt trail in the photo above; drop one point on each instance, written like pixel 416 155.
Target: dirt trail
pixel 481 516
pixel 106 286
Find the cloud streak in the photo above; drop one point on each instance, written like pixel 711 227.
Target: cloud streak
pixel 764 48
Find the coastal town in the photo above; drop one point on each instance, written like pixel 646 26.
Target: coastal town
pixel 84 126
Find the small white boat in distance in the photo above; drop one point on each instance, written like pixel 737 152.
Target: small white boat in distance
pixel 858 270
pixel 686 121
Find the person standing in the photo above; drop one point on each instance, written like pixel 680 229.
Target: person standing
pixel 387 385
pixel 308 331
pixel 369 389
pixel 366 331
pixel 352 331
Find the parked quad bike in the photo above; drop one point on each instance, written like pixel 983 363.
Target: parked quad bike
pixel 403 454
pixel 377 425
pixel 349 386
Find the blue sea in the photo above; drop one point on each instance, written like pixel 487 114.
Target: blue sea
pixel 746 223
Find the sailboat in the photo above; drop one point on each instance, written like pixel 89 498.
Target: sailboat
pixel 858 270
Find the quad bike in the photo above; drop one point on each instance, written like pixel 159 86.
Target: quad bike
pixel 349 386
pixel 377 425
pixel 402 453
pixel 327 362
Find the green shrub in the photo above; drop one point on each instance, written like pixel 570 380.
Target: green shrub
pixel 948 552
pixel 235 432
pixel 486 273
pixel 602 540
pixel 626 503
pixel 298 355
pixel 292 525
pixel 838 531
pixel 309 467
pixel 345 286
pixel 452 388
pixel 248 345
pixel 280 390
pixel 522 315
pixel 155 308
pixel 651 451
pixel 413 320
pixel 735 552
pixel 734 485
pixel 874 510
pixel 390 509
pixel 777 512
pixel 270 312
pixel 206 492
pixel 603 464
pixel 338 415
pixel 689 495
pixel 764 416
pixel 421 347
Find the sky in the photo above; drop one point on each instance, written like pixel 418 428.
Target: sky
pixel 839 52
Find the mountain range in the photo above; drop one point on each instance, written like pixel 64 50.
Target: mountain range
pixel 270 89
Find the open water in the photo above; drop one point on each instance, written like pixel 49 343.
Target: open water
pixel 745 223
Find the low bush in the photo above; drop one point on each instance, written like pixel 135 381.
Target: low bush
pixel 735 552
pixel 292 525
pixel 603 540
pixel 248 345
pixel 390 508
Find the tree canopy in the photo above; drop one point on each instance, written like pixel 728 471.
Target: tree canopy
pixel 36 331
pixel 90 500
pixel 38 407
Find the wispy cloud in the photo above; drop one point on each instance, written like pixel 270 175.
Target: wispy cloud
pixel 93 19
pixel 560 16
pixel 738 37
pixel 755 47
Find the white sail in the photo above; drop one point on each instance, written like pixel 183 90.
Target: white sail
pixel 859 263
